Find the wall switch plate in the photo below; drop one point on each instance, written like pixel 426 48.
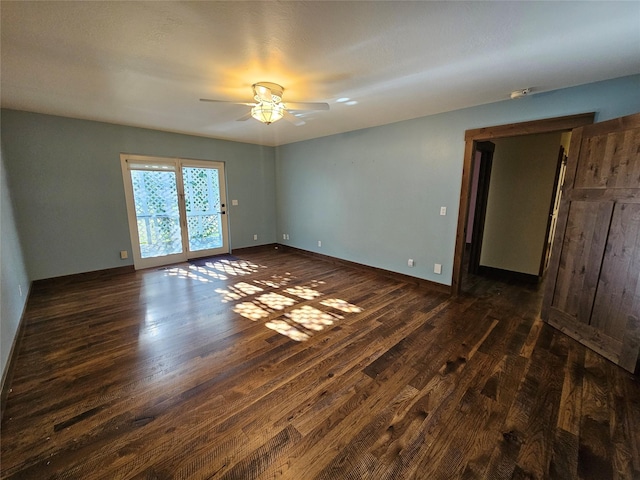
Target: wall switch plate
pixel 124 254
pixel 255 237
pixel 319 243
pixel 443 210
pixel 234 202
pixel 410 262
pixel 437 268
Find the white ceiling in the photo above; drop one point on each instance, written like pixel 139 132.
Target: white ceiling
pixel 147 63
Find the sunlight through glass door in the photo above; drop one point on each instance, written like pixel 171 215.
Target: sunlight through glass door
pixel 155 196
pixel 176 209
pixel 204 208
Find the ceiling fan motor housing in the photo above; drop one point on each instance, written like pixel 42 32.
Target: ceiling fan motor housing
pixel 267 92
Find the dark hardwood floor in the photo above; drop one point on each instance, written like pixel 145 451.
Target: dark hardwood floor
pixel 272 364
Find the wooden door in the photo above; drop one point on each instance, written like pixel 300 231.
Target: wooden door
pixel 593 289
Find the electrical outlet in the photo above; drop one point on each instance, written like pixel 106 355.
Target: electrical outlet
pixel 319 243
pixel 255 237
pixel 284 236
pixel 287 236
pixel 124 254
pixel 410 262
pixel 437 268
pixel 443 211
pixel 234 203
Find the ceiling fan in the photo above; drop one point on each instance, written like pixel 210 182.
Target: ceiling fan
pixel 269 107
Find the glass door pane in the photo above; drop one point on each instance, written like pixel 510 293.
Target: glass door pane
pixel 204 208
pixel 155 196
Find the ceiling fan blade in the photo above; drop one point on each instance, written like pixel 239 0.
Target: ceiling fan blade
pixel 306 106
pixel 227 101
pixel 245 117
pixel 293 119
pixel 264 93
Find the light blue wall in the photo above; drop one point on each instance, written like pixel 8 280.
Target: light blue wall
pixel 68 193
pixel 373 196
pixel 14 283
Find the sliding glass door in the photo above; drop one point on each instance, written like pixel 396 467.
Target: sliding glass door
pixel 176 209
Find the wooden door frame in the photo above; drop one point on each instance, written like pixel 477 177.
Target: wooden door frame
pixel 471 137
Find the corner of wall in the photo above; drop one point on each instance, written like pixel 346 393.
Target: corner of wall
pixel 14 281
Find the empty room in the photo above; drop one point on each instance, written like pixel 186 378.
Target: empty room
pixel 320 240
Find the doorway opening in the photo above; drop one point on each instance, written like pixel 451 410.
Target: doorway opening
pixel 474 139
pixel 478 202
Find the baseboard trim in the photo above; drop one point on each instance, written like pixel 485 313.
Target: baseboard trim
pixel 508 275
pixel 257 248
pixel 7 375
pixel 401 277
pixel 107 272
pixel 127 269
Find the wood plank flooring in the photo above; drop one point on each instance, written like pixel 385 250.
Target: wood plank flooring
pixel 271 364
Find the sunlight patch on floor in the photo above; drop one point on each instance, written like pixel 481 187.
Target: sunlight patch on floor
pixel 298 322
pixel 238 291
pixel 235 267
pixel 276 281
pixel 276 301
pixel 201 274
pixel 251 311
pixel 311 318
pixel 290 331
pixel 341 305
pixel 214 270
pixel 303 292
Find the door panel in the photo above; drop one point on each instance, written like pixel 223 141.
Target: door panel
pixel 205 209
pixel 620 277
pixel 155 196
pixel 580 265
pixel 593 289
pixel 608 161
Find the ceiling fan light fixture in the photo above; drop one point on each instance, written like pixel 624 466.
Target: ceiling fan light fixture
pixel 269 107
pixel 268 113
